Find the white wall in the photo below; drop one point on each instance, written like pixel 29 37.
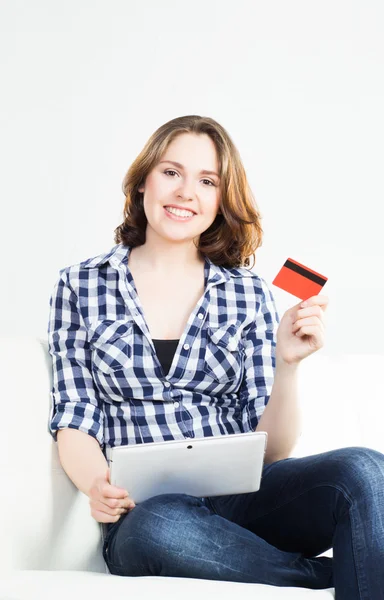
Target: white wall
pixel 298 84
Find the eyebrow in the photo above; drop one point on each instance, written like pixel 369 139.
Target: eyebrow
pixel 177 164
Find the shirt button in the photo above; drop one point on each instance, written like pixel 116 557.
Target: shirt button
pixel 167 384
pixel 186 346
pixel 176 404
pixel 200 316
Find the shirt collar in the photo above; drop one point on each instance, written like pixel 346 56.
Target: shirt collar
pixel 119 255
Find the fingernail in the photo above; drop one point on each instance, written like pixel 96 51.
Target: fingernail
pixel 303 304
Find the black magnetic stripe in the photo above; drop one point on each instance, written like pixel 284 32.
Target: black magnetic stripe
pixel 301 271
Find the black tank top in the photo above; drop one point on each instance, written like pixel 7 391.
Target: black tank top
pixel 165 350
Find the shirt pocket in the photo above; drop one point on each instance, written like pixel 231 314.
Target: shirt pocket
pixel 223 359
pixel 112 345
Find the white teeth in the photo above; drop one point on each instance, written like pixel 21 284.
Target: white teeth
pixel 178 211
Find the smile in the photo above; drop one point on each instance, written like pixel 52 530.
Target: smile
pixel 178 214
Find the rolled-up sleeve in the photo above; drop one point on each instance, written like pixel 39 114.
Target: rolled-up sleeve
pixel 259 360
pixel 74 399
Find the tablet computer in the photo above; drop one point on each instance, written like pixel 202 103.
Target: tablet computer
pixel 208 466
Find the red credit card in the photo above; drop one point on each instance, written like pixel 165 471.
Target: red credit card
pixel 298 280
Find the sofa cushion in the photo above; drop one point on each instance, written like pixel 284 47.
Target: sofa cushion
pixel 61 585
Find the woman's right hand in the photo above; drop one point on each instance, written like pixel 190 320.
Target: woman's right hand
pixel 108 502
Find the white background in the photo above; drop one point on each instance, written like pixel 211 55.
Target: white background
pixel 299 86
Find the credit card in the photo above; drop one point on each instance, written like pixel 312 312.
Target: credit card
pixel 299 280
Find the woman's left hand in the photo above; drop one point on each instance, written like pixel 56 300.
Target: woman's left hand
pixel 301 330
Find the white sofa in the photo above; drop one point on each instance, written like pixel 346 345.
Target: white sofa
pixel 51 546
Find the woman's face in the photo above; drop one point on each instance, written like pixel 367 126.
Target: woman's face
pixel 184 185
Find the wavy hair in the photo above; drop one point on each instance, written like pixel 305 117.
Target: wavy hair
pixel 236 232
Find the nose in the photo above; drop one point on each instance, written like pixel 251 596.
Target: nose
pixel 186 190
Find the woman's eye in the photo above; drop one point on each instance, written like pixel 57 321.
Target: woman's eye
pixel 172 171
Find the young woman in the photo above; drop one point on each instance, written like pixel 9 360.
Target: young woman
pixel 170 336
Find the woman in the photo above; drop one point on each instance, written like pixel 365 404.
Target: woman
pixel 170 336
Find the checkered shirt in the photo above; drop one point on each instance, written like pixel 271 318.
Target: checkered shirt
pixel 108 381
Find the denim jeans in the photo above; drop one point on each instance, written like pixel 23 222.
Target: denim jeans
pixel 304 507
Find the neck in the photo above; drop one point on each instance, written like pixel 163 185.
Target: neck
pixel 162 256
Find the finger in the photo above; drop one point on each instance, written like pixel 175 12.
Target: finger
pixel 114 502
pixel 314 332
pixel 97 505
pixel 308 321
pixel 112 491
pixel 320 300
pixel 311 311
pixel 102 517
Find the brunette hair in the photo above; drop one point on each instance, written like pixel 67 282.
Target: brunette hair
pixel 236 232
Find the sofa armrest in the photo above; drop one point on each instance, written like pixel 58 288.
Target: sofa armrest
pixel 48 524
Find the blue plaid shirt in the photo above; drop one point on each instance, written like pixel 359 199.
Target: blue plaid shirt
pixel 108 381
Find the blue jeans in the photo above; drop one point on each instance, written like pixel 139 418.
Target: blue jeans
pixel 273 536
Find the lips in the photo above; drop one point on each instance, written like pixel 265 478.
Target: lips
pixel 179 207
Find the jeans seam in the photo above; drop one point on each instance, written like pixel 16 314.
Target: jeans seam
pixel 351 516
